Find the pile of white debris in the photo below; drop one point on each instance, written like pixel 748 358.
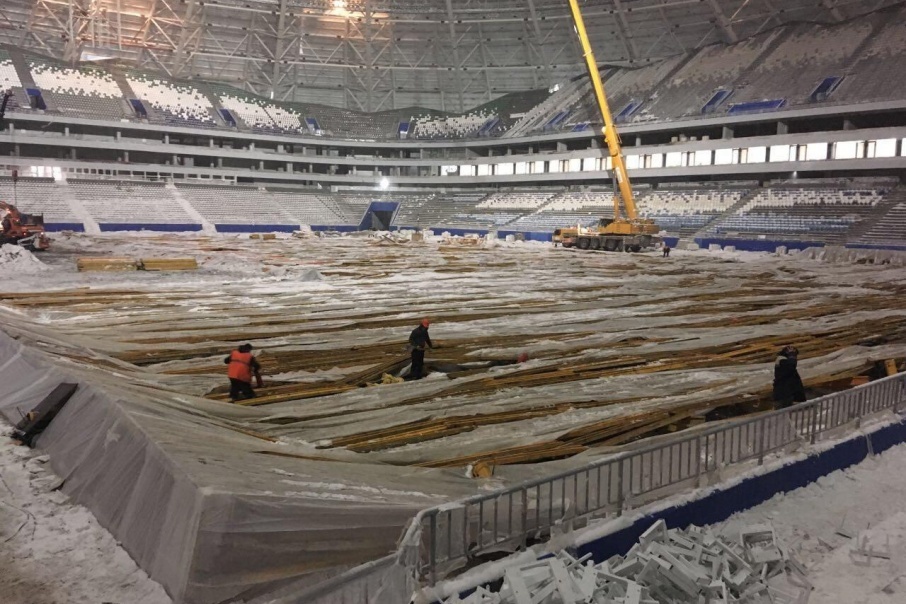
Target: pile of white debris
pixel 664 567
pixel 18 260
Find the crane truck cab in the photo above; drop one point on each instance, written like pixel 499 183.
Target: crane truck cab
pixel 26 230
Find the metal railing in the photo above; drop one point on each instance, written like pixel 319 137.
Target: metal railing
pixel 510 518
pixel 443 537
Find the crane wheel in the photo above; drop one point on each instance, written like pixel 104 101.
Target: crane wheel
pixel 595 244
pixel 583 243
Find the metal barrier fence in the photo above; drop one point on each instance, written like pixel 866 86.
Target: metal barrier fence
pixel 442 537
pixel 511 517
pixel 388 580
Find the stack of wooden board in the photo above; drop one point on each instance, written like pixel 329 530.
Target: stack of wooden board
pixel 129 264
pixel 168 264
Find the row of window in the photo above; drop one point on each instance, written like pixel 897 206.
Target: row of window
pixel 890 147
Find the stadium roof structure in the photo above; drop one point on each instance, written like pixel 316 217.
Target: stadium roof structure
pixel 375 55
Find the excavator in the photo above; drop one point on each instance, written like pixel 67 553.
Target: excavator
pixel 26 230
pixel 630 234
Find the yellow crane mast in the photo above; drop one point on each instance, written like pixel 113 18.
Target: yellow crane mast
pixel 630 233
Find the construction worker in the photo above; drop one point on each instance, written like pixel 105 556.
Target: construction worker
pixel 241 366
pixel 418 340
pixel 787 383
pixel 666 251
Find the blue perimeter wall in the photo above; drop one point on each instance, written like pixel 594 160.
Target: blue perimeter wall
pixel 56 227
pixel 166 228
pixel 866 246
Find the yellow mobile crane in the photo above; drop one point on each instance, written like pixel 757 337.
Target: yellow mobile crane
pixel 620 234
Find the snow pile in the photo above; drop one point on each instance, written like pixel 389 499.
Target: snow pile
pixel 18 260
pixel 840 255
pixel 52 551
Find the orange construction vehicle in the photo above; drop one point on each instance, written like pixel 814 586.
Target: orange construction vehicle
pixel 26 230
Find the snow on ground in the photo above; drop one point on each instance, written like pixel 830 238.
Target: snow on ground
pixel 874 581
pixel 55 552
pixel 15 260
pixel 865 499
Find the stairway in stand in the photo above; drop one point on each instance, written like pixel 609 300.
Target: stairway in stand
pixel 708 229
pixel 889 227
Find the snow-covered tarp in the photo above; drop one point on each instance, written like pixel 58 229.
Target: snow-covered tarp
pixel 207 510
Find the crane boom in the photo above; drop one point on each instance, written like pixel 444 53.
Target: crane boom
pixel 611 137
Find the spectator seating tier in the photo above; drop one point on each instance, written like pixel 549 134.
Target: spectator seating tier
pixel 821 213
pixel 178 104
pixel 39 196
pixel 124 203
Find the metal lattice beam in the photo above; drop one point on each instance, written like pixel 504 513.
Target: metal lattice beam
pixel 379 54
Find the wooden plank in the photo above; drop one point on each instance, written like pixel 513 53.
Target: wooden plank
pixel 168 264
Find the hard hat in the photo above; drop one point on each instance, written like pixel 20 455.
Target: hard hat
pixel 425 322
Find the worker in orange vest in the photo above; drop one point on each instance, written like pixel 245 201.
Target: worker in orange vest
pixel 241 366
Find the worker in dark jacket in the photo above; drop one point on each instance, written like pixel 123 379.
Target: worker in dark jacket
pixel 241 366
pixel 666 251
pixel 787 383
pixel 418 340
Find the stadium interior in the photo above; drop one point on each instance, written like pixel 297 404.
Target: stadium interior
pixel 339 170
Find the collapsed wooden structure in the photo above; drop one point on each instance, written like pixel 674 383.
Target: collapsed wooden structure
pixel 586 320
